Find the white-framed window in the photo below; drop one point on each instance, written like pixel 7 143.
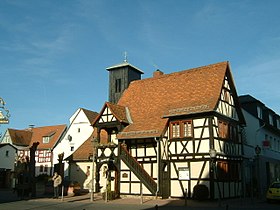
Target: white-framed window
pixel 46 139
pixel 270 118
pixel 259 111
pixel 278 123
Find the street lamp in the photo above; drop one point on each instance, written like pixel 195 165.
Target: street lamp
pixel 93 157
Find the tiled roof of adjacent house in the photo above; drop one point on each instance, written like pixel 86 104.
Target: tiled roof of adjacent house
pixel 31 135
pixel 20 137
pixel 150 101
pixel 86 149
pixel 53 132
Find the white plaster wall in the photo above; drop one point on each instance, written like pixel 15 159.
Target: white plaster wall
pixel 7 162
pixel 79 174
pixel 77 121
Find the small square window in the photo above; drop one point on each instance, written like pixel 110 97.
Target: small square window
pixel 72 149
pixel 46 139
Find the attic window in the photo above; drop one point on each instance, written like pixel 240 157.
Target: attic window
pixel 48 137
pixel 7 153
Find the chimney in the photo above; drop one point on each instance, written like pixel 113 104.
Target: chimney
pixel 157 73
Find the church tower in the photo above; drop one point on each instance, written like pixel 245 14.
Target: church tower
pixel 120 76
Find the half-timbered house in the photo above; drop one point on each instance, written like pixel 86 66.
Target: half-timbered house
pixel 171 133
pixel 46 137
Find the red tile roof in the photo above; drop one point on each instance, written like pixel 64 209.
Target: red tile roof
pixel 90 115
pixel 118 111
pixel 151 100
pixel 20 137
pixel 86 149
pixel 54 132
pixel 31 135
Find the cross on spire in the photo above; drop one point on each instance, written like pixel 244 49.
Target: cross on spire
pixel 125 56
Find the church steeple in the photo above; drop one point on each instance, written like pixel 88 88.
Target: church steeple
pixel 120 76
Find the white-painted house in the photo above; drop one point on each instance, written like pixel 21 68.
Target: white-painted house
pixel 78 132
pixel 8 154
pixel 261 145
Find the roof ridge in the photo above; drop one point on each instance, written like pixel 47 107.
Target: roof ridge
pixel 181 72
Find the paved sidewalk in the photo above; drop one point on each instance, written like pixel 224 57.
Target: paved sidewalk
pixel 240 203
pixel 243 203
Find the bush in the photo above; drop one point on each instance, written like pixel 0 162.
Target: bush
pixel 200 192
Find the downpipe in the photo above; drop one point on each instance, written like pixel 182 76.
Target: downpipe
pixel 158 166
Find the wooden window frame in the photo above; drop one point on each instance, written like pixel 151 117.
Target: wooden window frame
pixel 223 129
pixel 180 130
pixel 175 134
pixel 189 132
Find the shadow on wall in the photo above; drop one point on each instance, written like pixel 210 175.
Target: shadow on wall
pixel 80 177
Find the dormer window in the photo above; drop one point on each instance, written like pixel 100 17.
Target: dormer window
pixel 48 137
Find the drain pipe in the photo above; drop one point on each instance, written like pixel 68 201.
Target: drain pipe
pixel 158 166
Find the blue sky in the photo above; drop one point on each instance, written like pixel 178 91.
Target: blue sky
pixel 54 53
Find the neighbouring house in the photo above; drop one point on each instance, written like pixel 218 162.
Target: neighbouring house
pixel 261 145
pixel 7 165
pixel 45 139
pixel 172 135
pixel 81 162
pixel 78 132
